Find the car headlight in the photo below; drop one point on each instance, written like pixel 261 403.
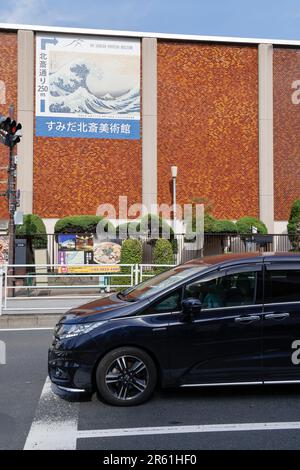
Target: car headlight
pixel 66 331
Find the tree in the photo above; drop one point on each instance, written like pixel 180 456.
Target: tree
pixel 294 225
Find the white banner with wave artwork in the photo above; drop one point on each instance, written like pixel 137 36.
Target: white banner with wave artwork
pixel 87 87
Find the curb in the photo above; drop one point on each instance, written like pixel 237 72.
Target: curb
pixel 28 321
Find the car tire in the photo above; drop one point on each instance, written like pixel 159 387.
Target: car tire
pixel 126 376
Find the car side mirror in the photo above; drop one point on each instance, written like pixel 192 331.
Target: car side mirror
pixel 190 308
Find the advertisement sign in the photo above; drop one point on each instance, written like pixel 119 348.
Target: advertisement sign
pixel 66 242
pixel 84 242
pixel 4 249
pixel 89 269
pixel 89 253
pixel 107 252
pixel 87 87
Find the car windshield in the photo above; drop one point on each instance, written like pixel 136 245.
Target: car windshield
pixel 159 282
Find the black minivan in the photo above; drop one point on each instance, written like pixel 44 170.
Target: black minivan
pixel 224 320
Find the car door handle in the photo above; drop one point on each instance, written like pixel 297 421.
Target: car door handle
pixel 277 316
pixel 248 319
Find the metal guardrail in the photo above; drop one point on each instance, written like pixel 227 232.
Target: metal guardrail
pixel 34 283
pixel 150 270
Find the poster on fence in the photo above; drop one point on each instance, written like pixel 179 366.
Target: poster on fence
pixel 66 242
pixel 91 255
pixel 4 249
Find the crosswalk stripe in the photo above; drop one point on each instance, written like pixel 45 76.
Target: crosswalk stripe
pixel 55 424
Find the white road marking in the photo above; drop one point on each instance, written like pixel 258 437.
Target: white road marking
pixel 206 428
pixel 55 423
pixel 25 329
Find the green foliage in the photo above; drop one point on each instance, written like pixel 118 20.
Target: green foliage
pixel 209 223
pixel 128 229
pixel 163 252
pixel 294 219
pixel 224 226
pixel 34 228
pixel 82 224
pixel 131 253
pixel 245 224
pixel 212 225
pixel 294 225
pixel 155 227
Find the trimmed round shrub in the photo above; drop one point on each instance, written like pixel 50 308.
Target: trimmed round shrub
pixel 131 253
pixel 82 224
pixel 33 227
pixel 224 226
pixel 245 224
pixel 163 252
pixel 294 225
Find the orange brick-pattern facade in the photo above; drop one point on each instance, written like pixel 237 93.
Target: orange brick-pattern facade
pixel 286 131
pixel 75 176
pixel 8 75
pixel 208 125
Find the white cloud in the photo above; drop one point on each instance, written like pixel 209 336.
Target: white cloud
pixel 117 14
pixel 23 12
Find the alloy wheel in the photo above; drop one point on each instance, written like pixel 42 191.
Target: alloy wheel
pixel 127 377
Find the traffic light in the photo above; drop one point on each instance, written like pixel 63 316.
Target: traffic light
pixel 5 123
pixel 14 133
pixel 9 131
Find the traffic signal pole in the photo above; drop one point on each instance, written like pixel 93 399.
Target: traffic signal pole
pixel 11 206
pixel 10 193
pixel 10 136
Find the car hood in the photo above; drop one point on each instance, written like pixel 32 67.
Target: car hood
pixel 105 308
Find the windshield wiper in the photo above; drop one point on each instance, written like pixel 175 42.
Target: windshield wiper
pixel 121 296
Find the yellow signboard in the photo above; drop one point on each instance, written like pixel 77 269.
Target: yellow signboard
pixel 89 269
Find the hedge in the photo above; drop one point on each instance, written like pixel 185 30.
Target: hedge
pixel 245 224
pixel 34 227
pixel 155 227
pixel 127 228
pixel 82 224
pixel 212 225
pixel 224 226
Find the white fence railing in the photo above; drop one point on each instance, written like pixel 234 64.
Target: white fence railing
pixel 38 285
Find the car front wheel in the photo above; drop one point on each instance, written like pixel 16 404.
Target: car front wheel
pixel 126 376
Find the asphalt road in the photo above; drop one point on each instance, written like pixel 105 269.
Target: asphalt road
pixel 31 416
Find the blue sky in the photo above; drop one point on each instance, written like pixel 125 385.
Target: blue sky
pixel 254 18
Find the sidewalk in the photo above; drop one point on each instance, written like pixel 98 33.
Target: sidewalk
pixel 39 313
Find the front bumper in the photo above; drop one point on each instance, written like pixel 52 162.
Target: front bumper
pixel 71 371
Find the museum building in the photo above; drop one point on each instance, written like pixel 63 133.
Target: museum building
pixel 107 114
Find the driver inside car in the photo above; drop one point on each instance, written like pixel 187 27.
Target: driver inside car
pixel 209 293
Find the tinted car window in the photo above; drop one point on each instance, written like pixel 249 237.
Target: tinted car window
pixel 282 285
pixel 169 303
pixel 161 281
pixel 225 290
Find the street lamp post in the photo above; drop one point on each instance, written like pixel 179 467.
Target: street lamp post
pixel 174 176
